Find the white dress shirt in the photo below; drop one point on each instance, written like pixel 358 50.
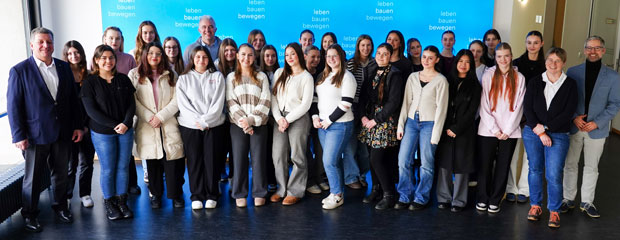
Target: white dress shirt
pixel 50 76
pixel 552 88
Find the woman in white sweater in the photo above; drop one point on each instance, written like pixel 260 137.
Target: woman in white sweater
pixel 201 98
pixel 157 136
pixel 335 90
pixel 248 100
pixel 291 100
pixel 421 121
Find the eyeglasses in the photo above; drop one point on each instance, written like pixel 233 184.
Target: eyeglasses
pixel 598 48
pixel 156 54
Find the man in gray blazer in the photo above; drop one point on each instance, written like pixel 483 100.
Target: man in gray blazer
pixel 598 102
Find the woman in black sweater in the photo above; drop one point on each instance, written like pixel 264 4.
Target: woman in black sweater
pixel 549 104
pixel 380 101
pixel 455 152
pixel 531 64
pixel 108 98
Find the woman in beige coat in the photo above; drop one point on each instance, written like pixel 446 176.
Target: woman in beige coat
pixel 157 137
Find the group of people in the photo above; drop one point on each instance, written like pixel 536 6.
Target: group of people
pixel 397 115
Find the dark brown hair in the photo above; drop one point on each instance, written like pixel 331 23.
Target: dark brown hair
pixel 144 68
pixel 82 64
pixel 191 65
pixel 288 70
pixel 239 69
pixel 224 66
pixel 357 56
pixel 179 64
pixel 140 43
pixel 98 53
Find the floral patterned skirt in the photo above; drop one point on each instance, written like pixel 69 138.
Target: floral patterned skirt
pixel 383 135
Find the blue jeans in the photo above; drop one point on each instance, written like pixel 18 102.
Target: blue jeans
pixel 334 141
pixel 114 152
pixel 551 159
pixel 354 169
pixel 416 132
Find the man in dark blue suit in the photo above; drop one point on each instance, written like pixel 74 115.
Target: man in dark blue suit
pixel 44 119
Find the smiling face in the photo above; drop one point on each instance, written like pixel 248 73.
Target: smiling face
pixel 172 49
pixel 201 60
pixel 503 57
pixel 154 57
pixel 270 57
pixel 230 53
pixel 383 56
pixel 333 59
pixel 258 42
pixel 291 57
pixel 327 41
pixel 365 48
pixel 246 56
pixel 106 62
pixel 554 64
pixel 312 59
pixel 148 33
pixel 429 59
pixel 73 55
pixel 113 39
pixel 594 50
pixel 463 65
pixel 42 46
pixel 207 30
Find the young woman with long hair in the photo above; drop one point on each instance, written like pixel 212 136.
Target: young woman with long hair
pixel 201 96
pixel 158 140
pixel 248 99
pixel 421 120
pixel 491 39
pixel 397 59
pixel 172 48
pixel 147 33
pixel 501 110
pixel 227 63
pixel 380 101
pixel 291 100
pixel 83 152
pixel 414 54
pixel 108 99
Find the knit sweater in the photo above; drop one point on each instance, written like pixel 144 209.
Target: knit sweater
pixel 201 98
pixel 430 102
pixel 295 98
pixel 335 102
pixel 248 100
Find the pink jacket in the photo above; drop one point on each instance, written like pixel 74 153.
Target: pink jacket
pixel 502 119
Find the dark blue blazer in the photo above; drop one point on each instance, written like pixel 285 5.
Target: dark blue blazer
pixel 33 113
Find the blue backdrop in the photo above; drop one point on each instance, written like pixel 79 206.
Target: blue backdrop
pixel 282 20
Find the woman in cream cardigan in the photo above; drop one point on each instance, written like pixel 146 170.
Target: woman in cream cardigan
pixel 158 140
pixel 421 121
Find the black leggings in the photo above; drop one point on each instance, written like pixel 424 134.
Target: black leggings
pixel 380 161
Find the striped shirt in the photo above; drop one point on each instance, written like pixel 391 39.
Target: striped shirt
pixel 248 99
pixel 359 76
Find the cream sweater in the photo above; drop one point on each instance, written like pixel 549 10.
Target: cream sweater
pixel 295 98
pixel 430 101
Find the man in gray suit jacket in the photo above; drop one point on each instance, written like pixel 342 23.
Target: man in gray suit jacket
pixel 598 88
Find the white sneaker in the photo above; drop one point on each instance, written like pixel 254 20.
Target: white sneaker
pixel 210 204
pixel 314 189
pixel 481 206
pixel 332 201
pixel 196 205
pixel 146 176
pixel 493 209
pixel 87 201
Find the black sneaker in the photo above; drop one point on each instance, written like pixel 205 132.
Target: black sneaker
pixel 178 203
pixel 443 205
pixel 155 202
pixel 416 206
pixel 388 201
pixel 134 190
pixel 589 209
pixel 401 205
pixel 567 205
pixel 456 209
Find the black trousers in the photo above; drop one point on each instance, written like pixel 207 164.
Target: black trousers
pixel 55 157
pixel 381 162
pixel 271 169
pixel 82 155
pixel 203 150
pixel 316 170
pixel 173 170
pixel 492 182
pixel 227 153
pixel 133 173
pixel 256 146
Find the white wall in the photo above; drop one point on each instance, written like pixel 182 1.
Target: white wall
pixel 14 46
pixel 502 18
pixel 73 20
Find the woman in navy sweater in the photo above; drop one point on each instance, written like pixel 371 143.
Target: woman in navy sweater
pixel 549 106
